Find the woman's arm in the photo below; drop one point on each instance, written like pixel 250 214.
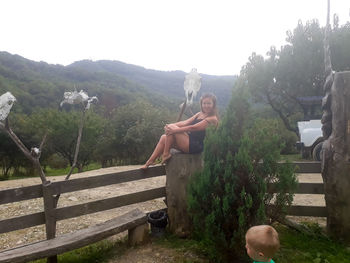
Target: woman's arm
pixel 202 125
pixel 186 122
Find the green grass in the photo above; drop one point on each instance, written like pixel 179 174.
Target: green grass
pixel 181 244
pixel 65 171
pixel 301 248
pixel 96 253
pixel 293 158
pixel 57 172
pixel 295 248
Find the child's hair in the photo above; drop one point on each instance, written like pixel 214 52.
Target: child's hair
pixel 263 238
pixel 213 98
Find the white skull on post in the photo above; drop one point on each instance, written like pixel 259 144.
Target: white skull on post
pixel 6 103
pixel 192 85
pixel 75 97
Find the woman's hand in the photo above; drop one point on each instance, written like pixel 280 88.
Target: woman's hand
pixel 169 129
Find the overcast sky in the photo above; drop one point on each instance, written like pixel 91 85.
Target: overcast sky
pixel 216 37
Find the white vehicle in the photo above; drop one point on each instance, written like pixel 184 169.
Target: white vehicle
pixel 311 139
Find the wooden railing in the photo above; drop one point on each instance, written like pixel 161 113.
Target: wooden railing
pixel 36 191
pixel 308 188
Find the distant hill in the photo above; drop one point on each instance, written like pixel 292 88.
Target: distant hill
pixel 39 84
pixel 167 83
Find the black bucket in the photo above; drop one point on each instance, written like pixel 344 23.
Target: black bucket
pixel 158 221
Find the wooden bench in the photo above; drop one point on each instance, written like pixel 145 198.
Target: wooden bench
pixel 67 242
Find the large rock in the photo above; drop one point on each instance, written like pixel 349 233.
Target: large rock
pixel 178 171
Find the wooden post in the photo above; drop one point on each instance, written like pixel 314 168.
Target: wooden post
pixel 50 219
pixel 178 172
pixel 336 158
pixel 138 235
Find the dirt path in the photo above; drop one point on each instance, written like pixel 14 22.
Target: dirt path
pixel 154 253
pixel 32 234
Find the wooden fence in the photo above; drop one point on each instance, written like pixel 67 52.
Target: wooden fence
pixel 37 191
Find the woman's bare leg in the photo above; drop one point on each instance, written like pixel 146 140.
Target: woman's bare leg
pixel 179 140
pixel 156 153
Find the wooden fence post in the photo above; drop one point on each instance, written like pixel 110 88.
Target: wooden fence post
pixel 50 219
pixel 178 172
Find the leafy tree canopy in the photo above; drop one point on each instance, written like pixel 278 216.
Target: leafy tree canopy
pixel 286 78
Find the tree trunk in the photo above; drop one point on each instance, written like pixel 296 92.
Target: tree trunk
pixel 336 157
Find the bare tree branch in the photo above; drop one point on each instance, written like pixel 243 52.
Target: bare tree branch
pixel 283 118
pixel 182 111
pixel 24 149
pixel 43 141
pixel 82 121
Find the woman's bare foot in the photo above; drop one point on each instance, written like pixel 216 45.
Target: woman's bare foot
pixel 165 158
pixel 147 164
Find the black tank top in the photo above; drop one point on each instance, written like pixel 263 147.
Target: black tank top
pixel 197 135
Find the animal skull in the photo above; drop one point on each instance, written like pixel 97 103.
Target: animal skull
pixel 192 85
pixel 6 103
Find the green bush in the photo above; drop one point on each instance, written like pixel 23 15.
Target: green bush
pixel 55 161
pixel 230 194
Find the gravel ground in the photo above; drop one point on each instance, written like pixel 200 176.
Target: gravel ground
pixel 29 235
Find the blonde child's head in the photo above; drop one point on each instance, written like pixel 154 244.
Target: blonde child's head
pixel 262 242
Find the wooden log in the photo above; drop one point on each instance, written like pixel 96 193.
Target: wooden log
pixel 138 235
pixel 178 172
pixel 336 160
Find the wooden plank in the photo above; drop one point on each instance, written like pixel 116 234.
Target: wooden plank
pixel 74 240
pixel 308 167
pixel 49 210
pixel 20 194
pixel 35 191
pixel 110 203
pixel 22 222
pixel 303 188
pixel 305 167
pixel 35 219
pixel 316 211
pixel 310 188
pixel 106 179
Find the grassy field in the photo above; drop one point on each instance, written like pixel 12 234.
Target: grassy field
pixel 99 252
pixel 56 172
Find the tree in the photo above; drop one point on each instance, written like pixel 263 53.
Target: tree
pixel 63 126
pixel 286 76
pixel 10 156
pixel 137 128
pixel 230 194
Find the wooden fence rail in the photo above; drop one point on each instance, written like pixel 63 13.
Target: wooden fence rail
pixel 36 191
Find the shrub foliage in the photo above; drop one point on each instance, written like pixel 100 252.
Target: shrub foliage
pixel 231 193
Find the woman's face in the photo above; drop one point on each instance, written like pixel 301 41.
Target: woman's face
pixel 207 105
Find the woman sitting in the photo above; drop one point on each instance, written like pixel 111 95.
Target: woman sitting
pixel 188 135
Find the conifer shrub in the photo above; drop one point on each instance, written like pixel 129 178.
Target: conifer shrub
pixel 231 193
